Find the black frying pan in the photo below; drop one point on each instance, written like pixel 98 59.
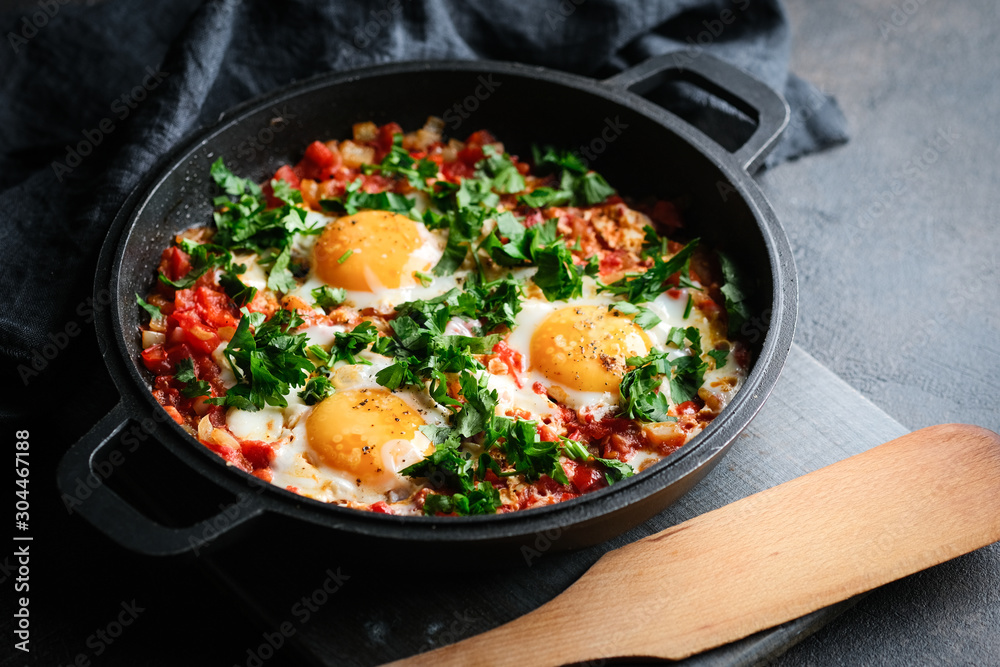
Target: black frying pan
pixel 640 148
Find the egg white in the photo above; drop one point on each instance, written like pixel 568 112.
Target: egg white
pixel 296 467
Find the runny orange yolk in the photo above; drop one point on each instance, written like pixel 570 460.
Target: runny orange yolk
pixel 364 431
pixel 585 347
pixel 368 251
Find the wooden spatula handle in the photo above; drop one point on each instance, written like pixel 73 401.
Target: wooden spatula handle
pixel 894 510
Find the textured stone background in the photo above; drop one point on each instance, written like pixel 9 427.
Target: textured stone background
pixel 898 252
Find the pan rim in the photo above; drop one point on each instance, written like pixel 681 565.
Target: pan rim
pixel 704 450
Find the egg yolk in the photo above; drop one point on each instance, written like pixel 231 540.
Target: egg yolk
pixel 369 251
pixel 363 432
pixel 585 347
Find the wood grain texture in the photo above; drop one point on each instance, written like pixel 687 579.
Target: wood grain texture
pixel 873 518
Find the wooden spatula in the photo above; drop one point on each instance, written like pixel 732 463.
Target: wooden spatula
pixel 870 519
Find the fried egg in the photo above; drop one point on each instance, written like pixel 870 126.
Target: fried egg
pixel 352 444
pixel 375 256
pixel 578 351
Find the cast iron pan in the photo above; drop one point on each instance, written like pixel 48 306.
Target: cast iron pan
pixel 641 149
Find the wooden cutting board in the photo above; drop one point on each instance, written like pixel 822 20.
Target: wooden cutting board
pixel 896 509
pixel 812 419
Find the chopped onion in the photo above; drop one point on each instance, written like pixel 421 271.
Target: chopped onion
pixel 205 429
pixel 224 438
pixel 151 338
pixel 365 132
pixel 356 155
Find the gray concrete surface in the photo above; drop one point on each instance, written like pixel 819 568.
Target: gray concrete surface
pixel 898 250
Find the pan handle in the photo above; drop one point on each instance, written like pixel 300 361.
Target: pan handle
pixel 82 487
pixel 723 80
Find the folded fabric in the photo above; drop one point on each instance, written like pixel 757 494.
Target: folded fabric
pixel 91 97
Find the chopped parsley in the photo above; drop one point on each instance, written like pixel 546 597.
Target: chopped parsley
pixel 346 344
pixel 734 292
pixel 500 170
pixel 316 389
pixel 494 303
pixel 483 499
pixel 193 387
pixel 464 226
pixel 280 279
pixel 242 219
pixel 578 186
pixel 644 317
pixel 525 450
pixel 689 371
pixel 640 395
pixel 653 244
pixel 203 257
pixel 399 163
pixel 327 297
pixel 646 286
pixel 208 256
pixel 240 293
pixel 721 357
pixel 267 362
pixel 446 466
pixel 614 470
pixel 557 276
pixel 355 199
pixel 642 398
pixel 154 312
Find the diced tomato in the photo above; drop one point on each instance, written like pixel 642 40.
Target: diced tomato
pixel 512 358
pixel 457 170
pixel 473 151
pixel 471 154
pixel 216 308
pixel 164 382
pixel 320 162
pixel 179 351
pixel 547 433
pixel 687 408
pixel 583 476
pixel 539 388
pixel 257 453
pixel 230 455
pixel 202 338
pixel 174 414
pixel 319 154
pixel 175 263
pixel 383 143
pixel 167 397
pixel 546 490
pixel 156 361
pixel 263 474
pixel 381 507
pixel 184 300
pixel 372 183
pixel 217 415
pixel 612 261
pixel 285 173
